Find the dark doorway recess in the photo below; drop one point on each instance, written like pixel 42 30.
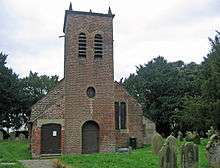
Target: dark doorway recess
pixel 90 137
pixel 51 139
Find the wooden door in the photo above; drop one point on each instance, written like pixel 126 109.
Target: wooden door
pixel 51 139
pixel 90 137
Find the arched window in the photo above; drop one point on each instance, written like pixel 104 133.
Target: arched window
pixel 98 46
pixel 82 45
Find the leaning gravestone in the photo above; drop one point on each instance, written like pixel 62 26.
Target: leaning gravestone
pixel 1 135
pixel 168 158
pixel 189 155
pixel 12 135
pixel 213 151
pixel 180 136
pixel 157 143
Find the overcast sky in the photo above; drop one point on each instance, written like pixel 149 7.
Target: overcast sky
pixel 143 29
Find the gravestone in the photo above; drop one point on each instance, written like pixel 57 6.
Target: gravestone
pixel 189 136
pixel 213 151
pixel 210 132
pixel 202 134
pixel 189 155
pixel 180 136
pixel 196 138
pixel 12 136
pixel 168 158
pixel 157 143
pixel 21 137
pixel 1 135
pixel 172 140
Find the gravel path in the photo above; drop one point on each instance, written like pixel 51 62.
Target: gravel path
pixel 45 163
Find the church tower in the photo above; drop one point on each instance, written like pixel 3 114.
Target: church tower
pixel 89 82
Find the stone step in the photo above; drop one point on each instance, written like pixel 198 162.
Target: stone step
pixel 49 156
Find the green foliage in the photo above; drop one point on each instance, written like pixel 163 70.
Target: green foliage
pixel 160 87
pixel 211 71
pixel 9 99
pixel 33 88
pixel 178 96
pixel 195 114
pixel 18 95
pixel 211 78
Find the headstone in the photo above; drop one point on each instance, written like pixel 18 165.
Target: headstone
pixel 196 138
pixel 1 135
pixel 168 158
pixel 189 136
pixel 21 137
pixel 180 136
pixel 202 134
pixel 213 151
pixel 12 136
pixel 189 155
pixel 210 132
pixel 124 150
pixel 172 141
pixel 157 143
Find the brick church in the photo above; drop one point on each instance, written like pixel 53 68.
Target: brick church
pixel 87 111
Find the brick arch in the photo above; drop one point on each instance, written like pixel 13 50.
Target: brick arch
pixel 90 137
pixel 83 30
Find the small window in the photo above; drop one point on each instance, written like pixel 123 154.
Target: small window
pixel 98 46
pixel 82 45
pixel 117 115
pixel 90 92
pixel 123 115
pixel 120 115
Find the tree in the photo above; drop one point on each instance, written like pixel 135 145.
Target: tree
pixel 161 87
pixel 9 99
pixel 211 77
pixel 18 95
pixel 195 114
pixel 33 88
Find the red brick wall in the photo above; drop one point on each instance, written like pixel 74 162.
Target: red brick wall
pixel 80 73
pixel 54 98
pixel 135 126
pixel 36 141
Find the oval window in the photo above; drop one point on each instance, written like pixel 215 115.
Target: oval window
pixel 90 92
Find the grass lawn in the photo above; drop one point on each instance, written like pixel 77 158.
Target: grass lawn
pixel 12 151
pixel 140 158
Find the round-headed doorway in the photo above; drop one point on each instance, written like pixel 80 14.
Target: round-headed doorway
pixel 90 137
